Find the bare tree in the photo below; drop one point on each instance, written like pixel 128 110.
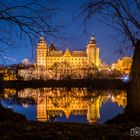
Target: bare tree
pixel 124 16
pixel 26 19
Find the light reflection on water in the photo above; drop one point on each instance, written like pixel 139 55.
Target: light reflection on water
pixel 65 105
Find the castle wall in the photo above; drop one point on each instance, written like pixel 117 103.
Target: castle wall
pixel 73 62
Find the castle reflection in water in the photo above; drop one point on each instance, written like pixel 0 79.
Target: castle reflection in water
pixel 57 102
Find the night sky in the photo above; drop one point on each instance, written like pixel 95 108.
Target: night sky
pixel 75 37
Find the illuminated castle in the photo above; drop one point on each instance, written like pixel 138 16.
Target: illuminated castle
pixel 48 56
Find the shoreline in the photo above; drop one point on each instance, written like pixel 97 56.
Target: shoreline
pixel 15 126
pixel 98 84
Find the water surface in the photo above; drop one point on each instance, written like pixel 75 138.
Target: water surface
pixel 65 105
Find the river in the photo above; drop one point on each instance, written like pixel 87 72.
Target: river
pixel 65 105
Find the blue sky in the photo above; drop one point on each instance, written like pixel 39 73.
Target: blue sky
pixel 75 37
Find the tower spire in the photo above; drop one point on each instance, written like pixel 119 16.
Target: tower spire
pixel 42 40
pixel 92 40
pixel 42 34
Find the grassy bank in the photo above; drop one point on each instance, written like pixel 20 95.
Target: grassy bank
pixel 15 126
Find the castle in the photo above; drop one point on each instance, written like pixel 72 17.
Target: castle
pixel 48 56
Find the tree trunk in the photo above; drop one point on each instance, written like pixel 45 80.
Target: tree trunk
pixel 133 92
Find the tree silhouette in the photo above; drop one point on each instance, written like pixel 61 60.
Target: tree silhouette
pixel 124 16
pixel 27 18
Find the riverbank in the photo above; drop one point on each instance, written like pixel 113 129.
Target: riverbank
pixel 103 84
pixel 15 126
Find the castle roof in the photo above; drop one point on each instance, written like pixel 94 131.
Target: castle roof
pixel 52 47
pixel 42 40
pixel 67 53
pixel 79 54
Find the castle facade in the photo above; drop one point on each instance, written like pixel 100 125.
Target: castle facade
pixel 47 57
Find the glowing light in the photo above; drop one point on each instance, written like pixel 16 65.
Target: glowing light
pixel 125 78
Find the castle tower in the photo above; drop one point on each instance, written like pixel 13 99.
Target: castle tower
pixel 41 53
pixel 93 52
pixel 93 113
pixel 41 109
